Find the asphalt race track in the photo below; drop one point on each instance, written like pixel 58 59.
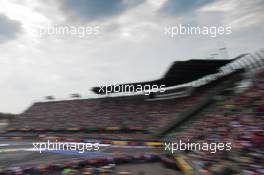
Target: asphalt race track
pixel 21 154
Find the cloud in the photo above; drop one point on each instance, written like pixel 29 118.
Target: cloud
pixel 97 9
pixel 8 28
pixel 239 15
pixel 131 38
pixel 181 7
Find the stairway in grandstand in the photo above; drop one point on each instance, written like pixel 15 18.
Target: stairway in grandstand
pixel 203 104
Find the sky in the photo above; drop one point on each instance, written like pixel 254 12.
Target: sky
pixel 131 45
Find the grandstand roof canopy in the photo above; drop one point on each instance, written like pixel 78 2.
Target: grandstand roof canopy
pixel 179 73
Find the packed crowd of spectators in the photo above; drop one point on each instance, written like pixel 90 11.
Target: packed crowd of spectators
pixel 236 118
pixel 129 111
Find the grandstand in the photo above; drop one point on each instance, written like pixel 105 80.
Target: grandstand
pixel 131 113
pixel 123 117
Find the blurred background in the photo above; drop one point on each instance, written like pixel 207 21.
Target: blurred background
pixel 58 58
